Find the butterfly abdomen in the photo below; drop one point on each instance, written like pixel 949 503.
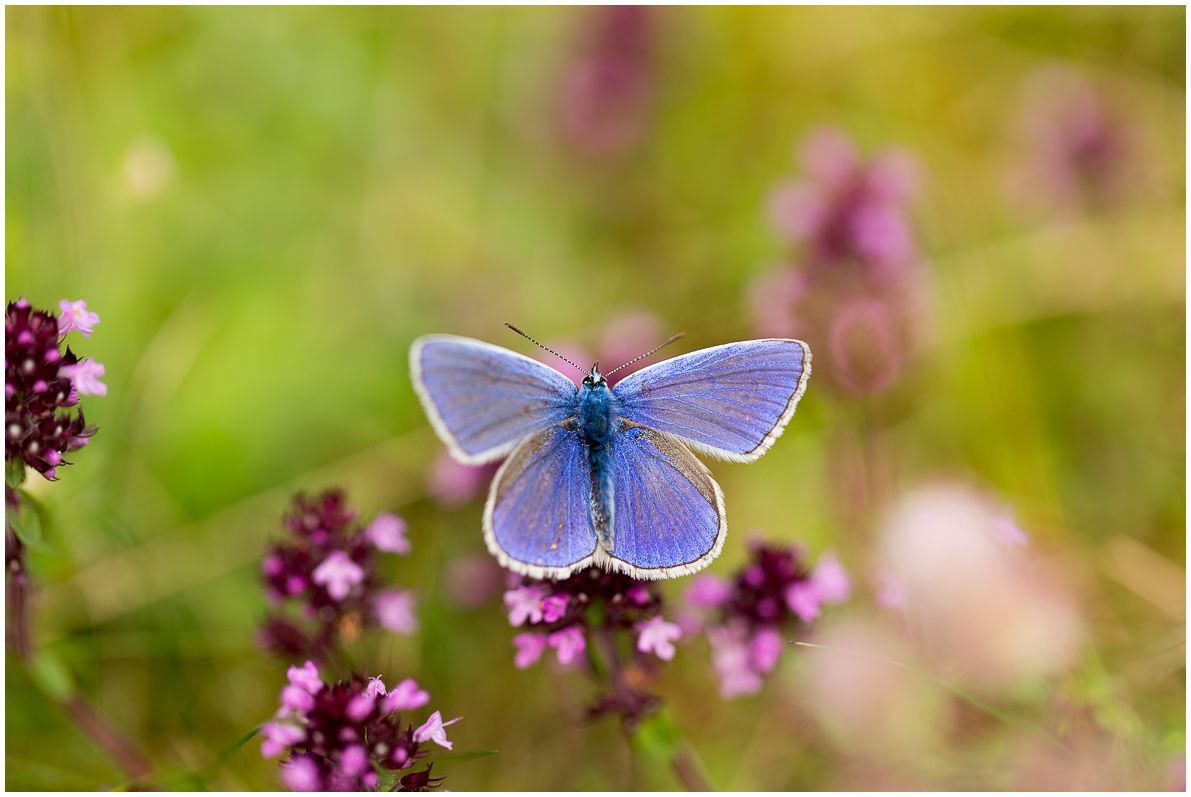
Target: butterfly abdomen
pixel 597 425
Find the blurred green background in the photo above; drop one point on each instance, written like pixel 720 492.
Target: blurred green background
pixel 266 206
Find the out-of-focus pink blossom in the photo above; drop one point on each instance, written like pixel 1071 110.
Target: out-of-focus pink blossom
pixel 395 611
pixel 848 212
pixel 606 101
pixel 853 287
pixel 765 648
pixel 856 686
pixel 524 604
pixel 530 648
pixel 338 574
pixel 568 644
pixel 375 688
pixel 75 315
pixel 387 533
pixel 278 735
pixel 85 376
pixel 990 613
pixel 434 730
pixel 300 774
pixel 306 677
pixel 707 591
pixel 658 637
pixel 554 607
pixel 804 599
pixel 296 698
pixel 406 696
pixel 1077 146
pixel 732 662
pixel 831 579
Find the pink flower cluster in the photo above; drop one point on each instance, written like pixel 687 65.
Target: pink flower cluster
pixel 350 735
pixel 559 613
pixel 42 385
pixel 325 567
pixel 851 288
pixel 568 617
pixel 747 619
pixel 607 96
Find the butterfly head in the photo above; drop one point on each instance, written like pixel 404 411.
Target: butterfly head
pixel 594 377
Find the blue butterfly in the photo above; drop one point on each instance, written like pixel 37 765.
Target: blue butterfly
pixel 605 476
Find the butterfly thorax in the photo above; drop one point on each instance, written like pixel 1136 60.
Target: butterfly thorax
pixel 596 423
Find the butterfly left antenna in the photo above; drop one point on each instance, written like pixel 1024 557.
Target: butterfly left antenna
pixel 654 350
pixel 539 345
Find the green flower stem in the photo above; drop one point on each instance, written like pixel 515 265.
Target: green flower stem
pixel 657 737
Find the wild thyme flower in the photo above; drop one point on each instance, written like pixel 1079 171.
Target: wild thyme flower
pixel 592 613
pixel 607 97
pixel 748 618
pixel 42 385
pixel 326 566
pixel 352 735
pixel 1078 147
pixel 853 287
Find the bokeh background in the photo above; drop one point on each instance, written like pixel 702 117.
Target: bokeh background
pixel 265 206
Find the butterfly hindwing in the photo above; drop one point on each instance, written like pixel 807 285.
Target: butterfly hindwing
pixel 537 520
pixel 482 399
pixel 668 517
pixel 729 401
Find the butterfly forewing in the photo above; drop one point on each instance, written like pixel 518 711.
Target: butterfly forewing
pixel 729 401
pixel 483 399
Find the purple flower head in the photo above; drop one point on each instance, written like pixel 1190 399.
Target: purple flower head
pixel 848 213
pixel 321 578
pixel 607 96
pixel 1079 148
pixel 42 423
pixel 590 610
pixel 853 285
pixel 347 737
pixel 750 620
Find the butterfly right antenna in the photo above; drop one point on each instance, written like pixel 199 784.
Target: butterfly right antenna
pixel 541 346
pixel 654 350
